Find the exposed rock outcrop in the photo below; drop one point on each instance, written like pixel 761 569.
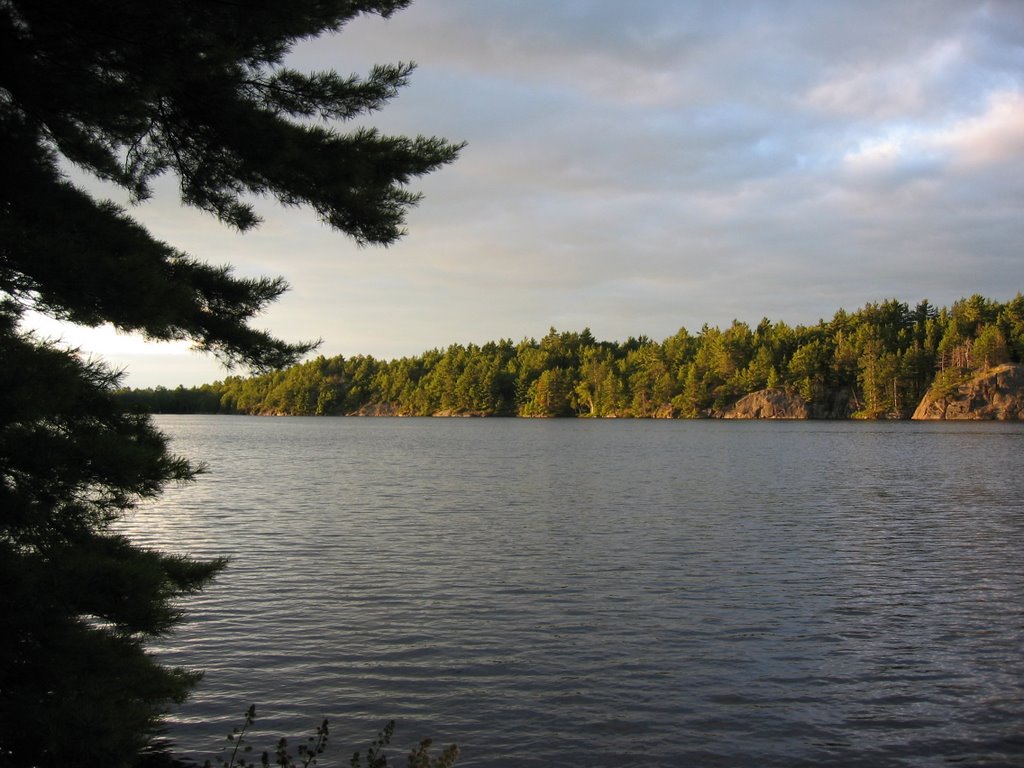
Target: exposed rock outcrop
pixel 377 409
pixel 775 403
pixel 780 403
pixel 997 393
pixel 459 413
pixel 664 411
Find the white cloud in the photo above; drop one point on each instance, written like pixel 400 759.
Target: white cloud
pixel 994 137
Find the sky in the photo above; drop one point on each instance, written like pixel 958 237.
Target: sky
pixel 635 168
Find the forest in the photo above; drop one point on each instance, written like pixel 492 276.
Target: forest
pixel 874 363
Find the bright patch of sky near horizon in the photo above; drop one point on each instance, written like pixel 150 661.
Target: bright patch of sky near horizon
pixel 634 168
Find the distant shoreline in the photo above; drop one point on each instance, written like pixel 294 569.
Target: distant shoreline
pixel 886 361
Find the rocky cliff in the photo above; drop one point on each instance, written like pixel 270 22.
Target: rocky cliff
pixel 775 403
pixel 780 403
pixel 377 409
pixel 998 393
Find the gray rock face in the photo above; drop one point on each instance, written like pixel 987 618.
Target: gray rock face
pixel 377 409
pixel 995 394
pixel 774 403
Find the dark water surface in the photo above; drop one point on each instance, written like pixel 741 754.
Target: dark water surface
pixel 608 593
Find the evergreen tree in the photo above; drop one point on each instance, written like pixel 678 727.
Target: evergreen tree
pixel 808 367
pixel 1011 321
pixel 599 389
pixel 990 347
pixel 877 363
pixel 649 380
pixel 127 92
pixel 550 394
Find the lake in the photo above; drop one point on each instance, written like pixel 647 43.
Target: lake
pixel 606 593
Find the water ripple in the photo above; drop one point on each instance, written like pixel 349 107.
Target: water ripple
pixel 608 593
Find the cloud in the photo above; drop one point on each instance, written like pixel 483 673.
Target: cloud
pixel 635 167
pixel 958 152
pixel 891 90
pixel 994 137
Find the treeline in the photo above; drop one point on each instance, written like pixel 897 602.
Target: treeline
pixel 876 362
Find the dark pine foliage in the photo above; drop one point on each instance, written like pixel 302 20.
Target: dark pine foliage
pixel 78 600
pixel 129 91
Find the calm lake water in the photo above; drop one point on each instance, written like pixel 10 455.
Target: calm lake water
pixel 607 593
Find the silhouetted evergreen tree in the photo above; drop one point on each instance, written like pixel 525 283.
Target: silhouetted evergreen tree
pixel 129 91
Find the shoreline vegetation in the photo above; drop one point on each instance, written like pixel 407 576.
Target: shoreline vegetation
pixel 884 361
